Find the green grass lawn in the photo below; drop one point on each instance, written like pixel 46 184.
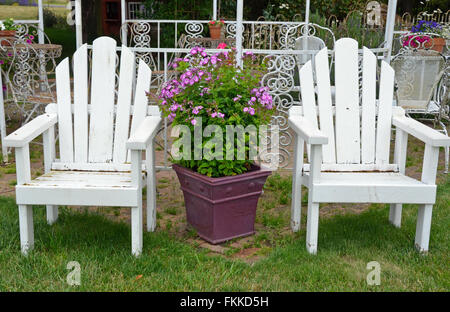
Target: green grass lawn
pixel 346 244
pixel 26 12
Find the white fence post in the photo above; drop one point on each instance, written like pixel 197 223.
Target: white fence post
pixel 123 23
pixel 41 37
pixel 78 23
pixel 390 23
pixel 239 30
pixel 214 10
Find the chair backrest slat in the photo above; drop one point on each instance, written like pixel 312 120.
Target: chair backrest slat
pixel 102 100
pixel 140 99
pixel 325 105
pixel 358 129
pixel 63 96
pixel 348 145
pixel 308 96
pixel 368 115
pixel 121 134
pixel 384 113
pixel 100 128
pixel 80 99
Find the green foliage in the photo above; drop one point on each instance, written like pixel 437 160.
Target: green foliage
pixel 214 91
pixel 8 24
pixel 50 18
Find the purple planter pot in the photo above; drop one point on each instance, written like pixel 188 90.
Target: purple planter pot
pixel 223 208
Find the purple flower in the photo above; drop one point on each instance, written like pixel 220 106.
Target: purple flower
pixel 197 109
pixel 249 110
pixel 194 51
pixel 193 122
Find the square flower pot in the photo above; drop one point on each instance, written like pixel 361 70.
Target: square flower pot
pixel 223 208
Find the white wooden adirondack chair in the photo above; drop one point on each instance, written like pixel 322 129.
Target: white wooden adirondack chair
pixel 92 169
pixel 349 155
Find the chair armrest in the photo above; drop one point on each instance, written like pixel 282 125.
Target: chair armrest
pixel 421 131
pixel 31 130
pixel 144 134
pixel 307 131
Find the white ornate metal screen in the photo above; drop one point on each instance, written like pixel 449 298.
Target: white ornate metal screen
pixel 159 41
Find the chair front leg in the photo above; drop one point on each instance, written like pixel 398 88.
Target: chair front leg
pixel 25 211
pixel 151 188
pixel 296 205
pixel 49 156
pixel 401 146
pixel 26 228
pixel 423 227
pixel 136 212
pixel 312 226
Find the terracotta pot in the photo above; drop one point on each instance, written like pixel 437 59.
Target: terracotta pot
pixel 9 35
pixel 223 208
pixel 215 31
pixel 436 44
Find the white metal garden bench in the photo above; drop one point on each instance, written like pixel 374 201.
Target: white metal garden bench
pixel 94 166
pixel 349 152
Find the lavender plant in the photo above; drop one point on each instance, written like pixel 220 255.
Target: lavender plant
pixel 213 90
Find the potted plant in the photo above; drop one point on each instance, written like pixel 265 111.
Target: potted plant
pixel 7 31
pixel 426 35
pixel 215 28
pixel 220 179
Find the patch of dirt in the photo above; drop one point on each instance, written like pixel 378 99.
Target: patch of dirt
pixel 249 255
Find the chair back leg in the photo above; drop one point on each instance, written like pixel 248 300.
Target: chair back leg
pixel 52 214
pixel 395 215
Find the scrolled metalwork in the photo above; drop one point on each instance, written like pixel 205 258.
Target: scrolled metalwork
pixel 193 30
pixel 25 71
pixel 280 81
